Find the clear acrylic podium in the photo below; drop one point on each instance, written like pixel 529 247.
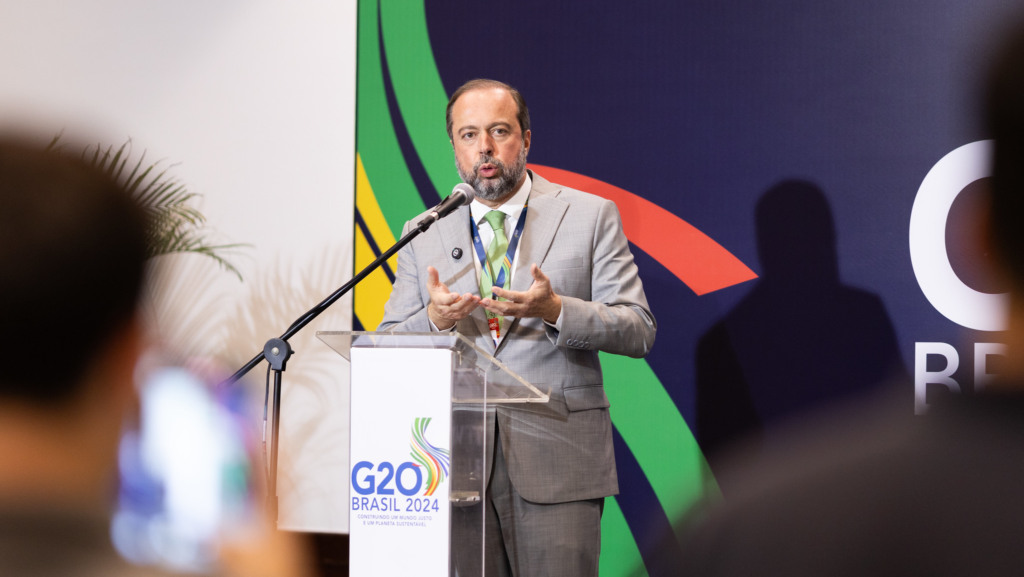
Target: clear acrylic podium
pixel 420 405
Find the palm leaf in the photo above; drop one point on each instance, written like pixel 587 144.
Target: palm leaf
pixel 175 225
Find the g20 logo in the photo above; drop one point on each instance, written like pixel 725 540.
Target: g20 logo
pixel 378 493
pixel 364 480
pixel 928 252
pixel 376 484
pixel 950 296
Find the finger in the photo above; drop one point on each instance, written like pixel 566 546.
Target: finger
pixel 494 306
pixel 445 299
pixel 459 310
pixel 538 275
pixel 433 280
pixel 463 308
pixel 506 294
pixel 467 300
pixel 505 308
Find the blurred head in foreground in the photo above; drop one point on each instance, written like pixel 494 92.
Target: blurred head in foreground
pixel 72 248
pixel 72 252
pixel 874 490
pixel 1004 122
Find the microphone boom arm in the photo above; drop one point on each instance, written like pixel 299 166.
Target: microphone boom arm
pixel 314 312
pixel 277 351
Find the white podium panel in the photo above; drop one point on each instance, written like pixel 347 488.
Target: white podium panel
pixel 400 462
pixel 420 407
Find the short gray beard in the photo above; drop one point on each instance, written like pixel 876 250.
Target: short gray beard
pixel 498 189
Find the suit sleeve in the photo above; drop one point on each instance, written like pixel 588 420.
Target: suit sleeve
pixel 616 319
pixel 406 309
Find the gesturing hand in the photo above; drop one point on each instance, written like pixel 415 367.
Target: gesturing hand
pixel 538 301
pixel 447 308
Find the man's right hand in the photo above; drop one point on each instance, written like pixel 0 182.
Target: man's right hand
pixel 447 308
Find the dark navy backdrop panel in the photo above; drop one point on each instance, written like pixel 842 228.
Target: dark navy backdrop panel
pixel 702 107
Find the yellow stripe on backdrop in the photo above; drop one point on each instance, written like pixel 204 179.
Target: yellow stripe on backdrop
pixel 374 290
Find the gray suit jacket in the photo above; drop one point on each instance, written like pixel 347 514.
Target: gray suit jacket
pixel 563 453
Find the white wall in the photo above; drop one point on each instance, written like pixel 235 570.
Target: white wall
pixel 253 103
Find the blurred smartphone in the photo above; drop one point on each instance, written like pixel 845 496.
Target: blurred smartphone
pixel 186 475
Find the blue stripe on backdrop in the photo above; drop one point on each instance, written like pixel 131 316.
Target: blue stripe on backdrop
pixel 651 529
pixel 385 266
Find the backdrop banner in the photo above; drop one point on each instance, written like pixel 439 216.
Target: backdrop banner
pixel 795 179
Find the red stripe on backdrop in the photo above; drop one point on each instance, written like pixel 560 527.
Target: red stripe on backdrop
pixel 694 257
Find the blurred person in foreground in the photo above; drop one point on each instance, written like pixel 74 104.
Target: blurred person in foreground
pixel 73 253
pixel 893 494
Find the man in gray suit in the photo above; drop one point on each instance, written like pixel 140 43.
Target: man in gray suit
pixel 573 291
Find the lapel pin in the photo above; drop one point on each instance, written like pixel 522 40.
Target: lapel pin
pixel 456 253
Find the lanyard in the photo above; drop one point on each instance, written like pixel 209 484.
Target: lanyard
pixel 509 254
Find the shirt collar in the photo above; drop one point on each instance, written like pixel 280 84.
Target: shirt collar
pixel 512 207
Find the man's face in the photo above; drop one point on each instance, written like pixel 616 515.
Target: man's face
pixel 490 148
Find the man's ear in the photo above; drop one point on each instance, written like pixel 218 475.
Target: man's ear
pixel 526 141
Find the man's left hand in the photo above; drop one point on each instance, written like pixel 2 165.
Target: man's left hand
pixel 539 301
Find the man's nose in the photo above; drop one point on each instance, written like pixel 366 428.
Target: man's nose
pixel 486 144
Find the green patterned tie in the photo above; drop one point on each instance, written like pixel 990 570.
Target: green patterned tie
pixel 496 261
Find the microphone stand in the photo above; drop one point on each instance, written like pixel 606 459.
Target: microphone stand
pixel 277 351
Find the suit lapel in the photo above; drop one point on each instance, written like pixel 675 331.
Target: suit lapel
pixel 460 273
pixel 457 273
pixel 543 217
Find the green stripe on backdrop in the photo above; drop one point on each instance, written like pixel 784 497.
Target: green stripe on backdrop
pixel 619 553
pixel 642 410
pixel 421 96
pixel 677 477
pixel 375 134
pixel 656 433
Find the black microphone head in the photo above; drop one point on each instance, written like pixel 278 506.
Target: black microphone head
pixel 466 190
pixel 461 195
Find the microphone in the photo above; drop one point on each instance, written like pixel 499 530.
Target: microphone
pixel 461 194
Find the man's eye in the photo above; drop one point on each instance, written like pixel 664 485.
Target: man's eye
pixel 468 135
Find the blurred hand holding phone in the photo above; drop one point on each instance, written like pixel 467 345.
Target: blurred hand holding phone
pixel 190 498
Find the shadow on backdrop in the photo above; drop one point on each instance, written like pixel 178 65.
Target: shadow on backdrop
pixel 800 339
